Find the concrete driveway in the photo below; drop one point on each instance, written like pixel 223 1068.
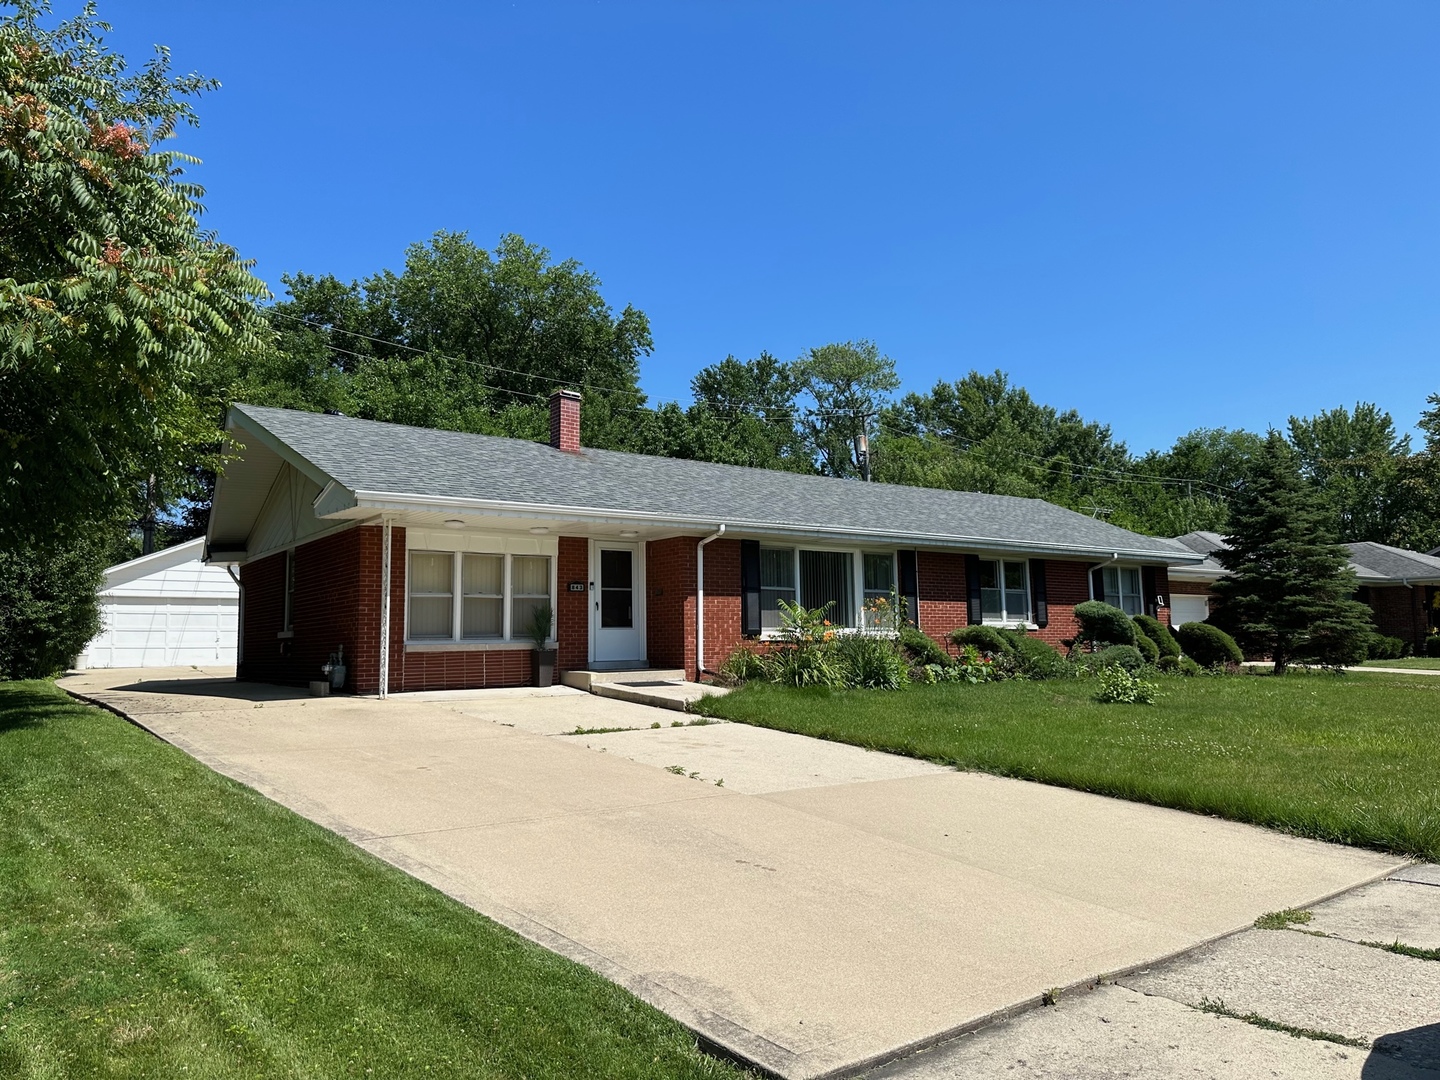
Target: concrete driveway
pixel 808 906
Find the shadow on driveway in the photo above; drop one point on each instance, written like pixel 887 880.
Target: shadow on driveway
pixel 1417 1048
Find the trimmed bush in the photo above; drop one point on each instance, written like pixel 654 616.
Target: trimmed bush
pixel 1170 665
pixel 922 649
pixel 1124 656
pixel 1036 659
pixel 1105 624
pixel 1381 647
pixel 1432 646
pixel 49 609
pixel 1159 633
pixel 1148 648
pixel 985 638
pixel 1189 667
pixel 1208 645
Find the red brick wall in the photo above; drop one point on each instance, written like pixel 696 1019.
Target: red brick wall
pixel 328 584
pixel 1399 611
pixel 1191 588
pixel 1066 584
pixel 722 602
pixel 565 421
pixel 572 610
pixel 670 602
pixel 944 597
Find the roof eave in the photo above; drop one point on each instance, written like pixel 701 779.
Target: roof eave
pixel 399 502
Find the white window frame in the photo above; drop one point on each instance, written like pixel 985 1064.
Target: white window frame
pixel 457 548
pixel 1006 617
pixel 1118 567
pixel 857 574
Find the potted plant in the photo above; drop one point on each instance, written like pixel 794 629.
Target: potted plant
pixel 543 662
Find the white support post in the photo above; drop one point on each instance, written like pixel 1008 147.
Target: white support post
pixel 700 601
pixel 385 609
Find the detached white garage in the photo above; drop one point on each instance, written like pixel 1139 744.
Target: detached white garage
pixel 166 609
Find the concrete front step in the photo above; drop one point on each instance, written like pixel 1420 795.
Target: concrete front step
pixel 587 680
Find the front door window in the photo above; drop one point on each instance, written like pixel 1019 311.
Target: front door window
pixel 617 599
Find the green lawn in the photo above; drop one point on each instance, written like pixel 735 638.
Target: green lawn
pixel 158 920
pixel 1424 663
pixel 1353 758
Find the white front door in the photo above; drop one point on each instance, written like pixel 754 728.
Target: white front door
pixel 617 608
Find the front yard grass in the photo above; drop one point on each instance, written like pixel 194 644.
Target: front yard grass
pixel 1420 663
pixel 1353 759
pixel 159 920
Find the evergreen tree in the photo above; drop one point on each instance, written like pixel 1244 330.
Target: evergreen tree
pixel 1289 590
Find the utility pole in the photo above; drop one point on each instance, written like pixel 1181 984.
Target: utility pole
pixel 862 446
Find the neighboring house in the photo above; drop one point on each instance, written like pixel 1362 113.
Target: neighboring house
pixel 645 561
pixel 166 609
pixel 1400 586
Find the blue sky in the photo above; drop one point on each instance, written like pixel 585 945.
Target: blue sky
pixel 1165 215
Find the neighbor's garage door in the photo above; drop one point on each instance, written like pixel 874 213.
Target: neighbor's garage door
pixel 1185 609
pixel 156 633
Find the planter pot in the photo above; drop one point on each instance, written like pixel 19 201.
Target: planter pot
pixel 542 664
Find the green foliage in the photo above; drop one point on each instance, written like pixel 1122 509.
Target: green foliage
pixel 48 605
pixel 870 662
pixel 1189 668
pixel 1288 591
pixel 542 619
pixel 1351 460
pixel 921 648
pixel 1119 686
pixel 743 665
pixel 1159 633
pixel 1208 645
pixel 1035 659
pixel 1432 645
pixel 1380 647
pixel 848 381
pixel 1124 656
pixel 972 666
pixel 1104 624
pixel 1148 649
pixel 113 302
pixel 987 639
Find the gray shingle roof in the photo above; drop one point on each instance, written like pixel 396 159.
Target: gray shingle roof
pixel 1371 562
pixel 367 456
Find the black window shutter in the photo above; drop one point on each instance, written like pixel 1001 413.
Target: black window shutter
pixel 750 588
pixel 910 586
pixel 972 589
pixel 1149 588
pixel 1097 583
pixel 1038 599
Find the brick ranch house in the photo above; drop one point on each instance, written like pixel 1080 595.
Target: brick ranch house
pixel 1401 587
pixel 424 553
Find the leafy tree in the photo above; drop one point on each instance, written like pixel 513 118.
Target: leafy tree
pixel 1289 591
pixel 49 609
pixel 849 382
pixel 752 409
pixel 112 299
pixel 1352 460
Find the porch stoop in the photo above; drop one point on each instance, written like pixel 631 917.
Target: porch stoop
pixel 663 688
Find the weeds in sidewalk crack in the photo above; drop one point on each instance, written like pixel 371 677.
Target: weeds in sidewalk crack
pixel 1279 920
pixel 1219 1008
pixel 1405 950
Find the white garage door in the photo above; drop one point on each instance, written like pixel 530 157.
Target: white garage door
pixel 1185 609
pixel 163 634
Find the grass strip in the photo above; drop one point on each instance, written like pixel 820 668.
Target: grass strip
pixel 162 920
pixel 1348 759
pixel 1405 950
pixel 1219 1008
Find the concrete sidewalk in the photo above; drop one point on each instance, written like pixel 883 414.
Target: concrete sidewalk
pixel 823 909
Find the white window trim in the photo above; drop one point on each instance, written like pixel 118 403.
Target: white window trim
pixel 857 574
pixel 457 547
pixel 1140 570
pixel 1005 622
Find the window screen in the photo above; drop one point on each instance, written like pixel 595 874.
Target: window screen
pixel 1122 589
pixel 432 596
pixel 777 582
pixel 827 580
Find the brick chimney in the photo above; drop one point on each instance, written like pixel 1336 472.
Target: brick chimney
pixel 565 420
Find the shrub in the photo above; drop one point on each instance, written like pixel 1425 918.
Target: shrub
pixel 1037 660
pixel 973 667
pixel 48 605
pixel 1125 656
pixel 1207 645
pixel 1170 665
pixel 985 638
pixel 1104 624
pixel 1159 633
pixel 1121 687
pixel 796 665
pixel 1380 647
pixel 1432 646
pixel 1189 667
pixel 922 648
pixel 1148 648
pixel 867 662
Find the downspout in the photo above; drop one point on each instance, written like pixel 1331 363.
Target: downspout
pixel 1115 558
pixel 239 618
pixel 700 601
pixel 385 608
